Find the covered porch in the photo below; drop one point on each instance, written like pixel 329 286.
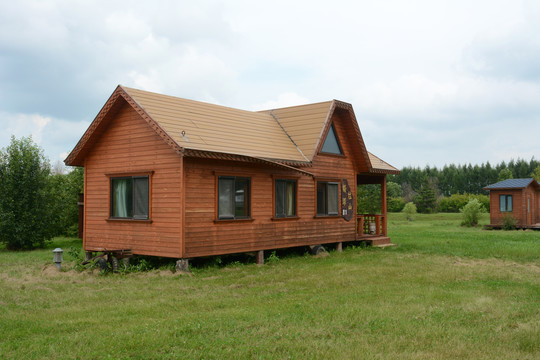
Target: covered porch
pixel 371 218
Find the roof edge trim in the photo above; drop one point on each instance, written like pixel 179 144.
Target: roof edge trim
pixel 243 158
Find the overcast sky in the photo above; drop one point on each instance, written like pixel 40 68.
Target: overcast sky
pixel 431 82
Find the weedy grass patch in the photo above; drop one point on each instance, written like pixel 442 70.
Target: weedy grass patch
pixel 444 292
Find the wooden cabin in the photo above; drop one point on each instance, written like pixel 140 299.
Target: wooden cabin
pixel 519 198
pixel 171 177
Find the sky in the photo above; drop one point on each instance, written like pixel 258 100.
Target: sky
pixel 431 82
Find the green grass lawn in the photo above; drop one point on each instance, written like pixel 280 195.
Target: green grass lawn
pixel 445 292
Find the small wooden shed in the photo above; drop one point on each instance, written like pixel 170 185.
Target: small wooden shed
pixel 519 198
pixel 171 177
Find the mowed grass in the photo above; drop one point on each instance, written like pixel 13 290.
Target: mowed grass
pixel 445 292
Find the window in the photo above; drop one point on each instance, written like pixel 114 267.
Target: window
pixel 331 143
pixel 130 197
pixel 285 198
pixel 505 203
pixel 327 198
pixel 233 197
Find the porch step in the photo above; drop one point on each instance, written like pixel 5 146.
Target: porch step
pixel 379 241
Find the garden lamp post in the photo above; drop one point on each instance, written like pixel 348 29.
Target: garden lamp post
pixel 58 256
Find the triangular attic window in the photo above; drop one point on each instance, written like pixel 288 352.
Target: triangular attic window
pixel 331 143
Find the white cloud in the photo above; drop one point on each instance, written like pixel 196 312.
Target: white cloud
pixel 20 125
pixel 430 81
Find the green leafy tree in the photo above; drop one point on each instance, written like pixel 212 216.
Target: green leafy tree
pixel 505 174
pixel 65 190
pixel 393 190
pixel 395 204
pixel 368 199
pixel 25 210
pixel 471 213
pixel 536 174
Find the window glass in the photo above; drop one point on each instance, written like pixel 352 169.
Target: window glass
pixel 331 144
pixel 226 199
pixel 122 205
pixel 140 197
pixel 291 198
pixel 327 198
pixel 130 197
pixel 285 191
pixel 233 197
pixel 506 203
pixel 333 200
pixel 321 198
pixel 242 197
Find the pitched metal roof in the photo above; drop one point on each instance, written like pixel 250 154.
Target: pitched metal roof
pixel 511 184
pixel 380 166
pixel 303 123
pixel 201 126
pixel 290 136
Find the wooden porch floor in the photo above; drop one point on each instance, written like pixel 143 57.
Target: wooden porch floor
pixel 375 240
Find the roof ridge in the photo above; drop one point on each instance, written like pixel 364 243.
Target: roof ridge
pixel 286 133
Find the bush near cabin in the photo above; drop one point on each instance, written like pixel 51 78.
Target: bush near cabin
pixel 471 213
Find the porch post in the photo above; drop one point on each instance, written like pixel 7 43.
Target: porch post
pixel 383 206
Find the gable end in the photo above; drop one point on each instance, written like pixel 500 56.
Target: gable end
pixel 118 98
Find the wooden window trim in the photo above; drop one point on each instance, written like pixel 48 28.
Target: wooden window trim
pixel 289 218
pixel 333 216
pixel 242 175
pixel 134 174
pixel 280 218
pixel 148 221
pixel 506 203
pixel 221 221
pixel 341 156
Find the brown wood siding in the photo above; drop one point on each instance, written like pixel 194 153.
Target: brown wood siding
pixel 205 236
pixel 130 146
pixel 496 216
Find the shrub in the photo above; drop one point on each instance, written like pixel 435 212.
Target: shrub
pixel 395 204
pixel 509 222
pixel 472 212
pixel 453 203
pixel 410 210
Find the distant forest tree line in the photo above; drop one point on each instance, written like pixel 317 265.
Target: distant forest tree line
pixel 447 190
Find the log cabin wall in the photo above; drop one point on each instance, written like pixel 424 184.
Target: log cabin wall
pixel 206 235
pixel 130 146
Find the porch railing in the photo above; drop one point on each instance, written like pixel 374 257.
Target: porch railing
pixel 370 224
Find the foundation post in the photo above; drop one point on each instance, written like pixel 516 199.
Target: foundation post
pixel 260 257
pixel 339 247
pixel 182 265
pixel 87 255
